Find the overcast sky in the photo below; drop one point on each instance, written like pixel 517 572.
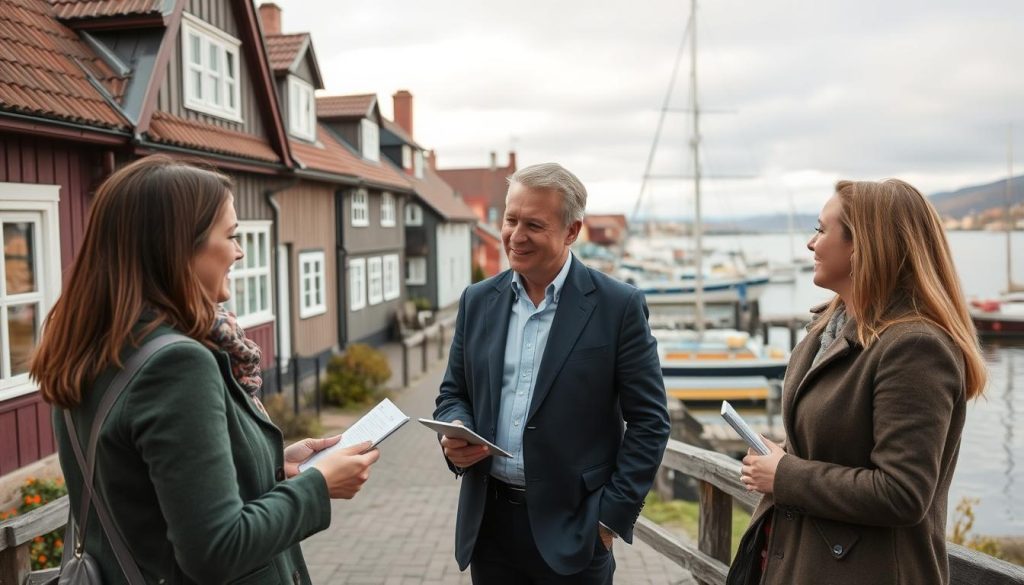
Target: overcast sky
pixel 811 90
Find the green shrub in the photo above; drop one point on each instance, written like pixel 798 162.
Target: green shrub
pixel 421 303
pixel 478 273
pixel 356 377
pixel 295 426
pixel 47 550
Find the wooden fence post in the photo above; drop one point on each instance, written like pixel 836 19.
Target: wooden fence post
pixel 715 526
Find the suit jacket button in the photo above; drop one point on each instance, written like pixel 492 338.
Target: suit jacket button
pixel 279 474
pixel 837 549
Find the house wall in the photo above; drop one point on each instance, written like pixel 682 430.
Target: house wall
pixel 171 97
pixel 454 270
pixel 307 224
pixel 25 431
pixel 422 241
pixel 372 323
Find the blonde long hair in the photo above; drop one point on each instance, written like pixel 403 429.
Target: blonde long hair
pixel 901 258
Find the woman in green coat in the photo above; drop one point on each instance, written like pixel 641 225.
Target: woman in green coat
pixel 192 470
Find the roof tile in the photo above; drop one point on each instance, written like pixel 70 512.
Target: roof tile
pixel 73 9
pixel 282 50
pixel 330 155
pixel 44 66
pixel 169 129
pixel 344 106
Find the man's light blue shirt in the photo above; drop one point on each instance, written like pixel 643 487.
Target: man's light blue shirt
pixel 528 329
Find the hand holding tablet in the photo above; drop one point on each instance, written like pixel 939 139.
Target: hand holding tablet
pixel 454 431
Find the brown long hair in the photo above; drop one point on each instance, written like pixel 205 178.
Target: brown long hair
pixel 901 258
pixel 146 223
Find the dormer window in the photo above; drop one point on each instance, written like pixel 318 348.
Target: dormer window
pixel 211 66
pixel 301 109
pixel 406 156
pixel 418 164
pixel 370 139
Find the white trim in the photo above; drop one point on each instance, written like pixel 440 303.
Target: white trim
pixel 226 44
pixel 300 93
pixel 392 277
pixel 37 204
pixel 375 280
pixel 356 302
pixel 369 139
pixel 360 204
pixel 418 163
pixel 387 209
pixel 284 265
pixel 317 262
pixel 248 268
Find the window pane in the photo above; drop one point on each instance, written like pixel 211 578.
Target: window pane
pixel 214 62
pixel 197 53
pixel 264 292
pixel 231 95
pixel 229 70
pixel 197 84
pixel 19 257
pixel 22 325
pixel 239 300
pixel 263 250
pixel 253 301
pixel 215 86
pixel 250 250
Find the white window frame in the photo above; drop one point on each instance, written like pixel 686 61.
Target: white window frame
pixel 387 210
pixel 241 272
pixel 312 298
pixel 392 278
pixel 301 109
pixel 220 75
pixel 40 204
pixel 406 156
pixel 360 208
pixel 356 283
pixel 413 214
pixel 369 139
pixel 417 276
pixel 418 164
pixel 375 280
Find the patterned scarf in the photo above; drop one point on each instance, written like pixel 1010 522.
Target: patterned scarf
pixel 831 332
pixel 243 352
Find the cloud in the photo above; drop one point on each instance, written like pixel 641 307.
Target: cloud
pixel 815 91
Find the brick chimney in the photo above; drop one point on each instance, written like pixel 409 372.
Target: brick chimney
pixel 403 110
pixel 494 160
pixel 512 160
pixel 270 17
pixel 432 159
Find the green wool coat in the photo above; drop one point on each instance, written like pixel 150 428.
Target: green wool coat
pixel 872 441
pixel 193 474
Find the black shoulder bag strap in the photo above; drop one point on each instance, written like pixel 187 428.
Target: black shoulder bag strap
pixel 87 464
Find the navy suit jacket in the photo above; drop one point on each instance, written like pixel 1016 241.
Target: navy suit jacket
pixel 597 425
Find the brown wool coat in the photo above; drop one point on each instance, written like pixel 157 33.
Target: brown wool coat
pixel 873 438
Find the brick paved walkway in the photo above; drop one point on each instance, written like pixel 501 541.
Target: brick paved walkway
pixel 400 529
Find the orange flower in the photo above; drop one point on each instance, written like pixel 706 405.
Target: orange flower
pixel 37 539
pixel 28 500
pixel 59 543
pixel 42 559
pixel 37 499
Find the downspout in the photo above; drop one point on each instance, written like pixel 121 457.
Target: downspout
pixel 275 209
pixel 342 259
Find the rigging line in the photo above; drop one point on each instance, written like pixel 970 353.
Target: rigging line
pixel 661 118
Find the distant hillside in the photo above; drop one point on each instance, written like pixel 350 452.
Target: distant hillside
pixel 977 198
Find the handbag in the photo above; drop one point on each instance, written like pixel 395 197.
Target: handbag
pixel 746 566
pixel 79 567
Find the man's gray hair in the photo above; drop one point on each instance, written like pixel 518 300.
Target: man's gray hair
pixel 555 176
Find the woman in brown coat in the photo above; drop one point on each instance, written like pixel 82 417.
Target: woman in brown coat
pixel 873 405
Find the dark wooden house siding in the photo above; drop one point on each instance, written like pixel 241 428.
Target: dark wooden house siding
pixel 220 14
pixel 25 431
pixel 307 224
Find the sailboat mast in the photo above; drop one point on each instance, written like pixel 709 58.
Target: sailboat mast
pixel 1009 212
pixel 695 147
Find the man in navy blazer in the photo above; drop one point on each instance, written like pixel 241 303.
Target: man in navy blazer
pixel 555 363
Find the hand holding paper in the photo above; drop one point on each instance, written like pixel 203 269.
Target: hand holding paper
pixel 374 426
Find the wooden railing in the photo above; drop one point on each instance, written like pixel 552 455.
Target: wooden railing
pixel 719 479
pixel 720 487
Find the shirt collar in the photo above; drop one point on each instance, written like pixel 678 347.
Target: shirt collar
pixel 554 290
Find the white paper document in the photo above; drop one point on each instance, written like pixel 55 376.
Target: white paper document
pixel 743 429
pixel 374 426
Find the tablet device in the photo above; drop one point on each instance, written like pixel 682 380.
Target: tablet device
pixel 743 429
pixel 455 431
